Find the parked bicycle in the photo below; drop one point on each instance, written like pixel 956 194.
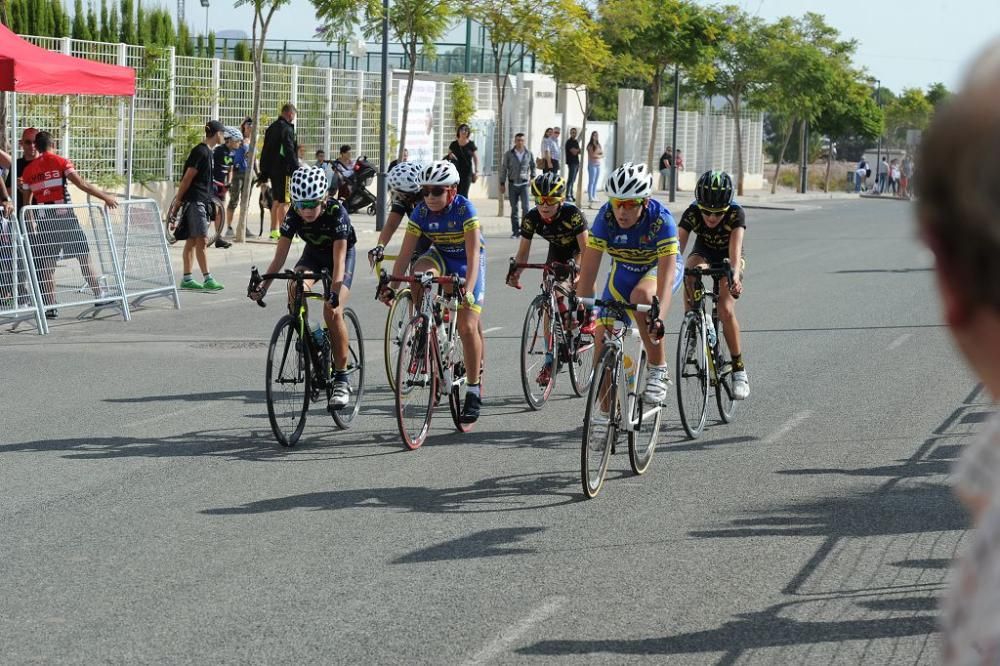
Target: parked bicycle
pixel 431 363
pixel 703 359
pixel 614 402
pixel 299 359
pixel 551 338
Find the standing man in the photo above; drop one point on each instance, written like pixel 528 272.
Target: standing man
pixel 572 163
pixel 882 176
pixel 278 161
pixel 904 183
pixel 553 152
pixel 239 172
pixel 195 194
pixel 517 169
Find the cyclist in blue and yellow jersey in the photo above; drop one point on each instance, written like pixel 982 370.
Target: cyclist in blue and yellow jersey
pixel 640 235
pixel 403 181
pixel 322 222
pixel 720 223
pixel 449 220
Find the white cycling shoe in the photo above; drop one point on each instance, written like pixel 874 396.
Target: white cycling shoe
pixel 657 382
pixel 741 385
pixel 341 396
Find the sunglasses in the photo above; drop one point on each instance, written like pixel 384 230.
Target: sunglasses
pixel 627 204
pixel 433 191
pixel 548 201
pixel 307 205
pixel 714 212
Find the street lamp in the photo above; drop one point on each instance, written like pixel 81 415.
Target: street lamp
pixel 204 3
pixel 878 150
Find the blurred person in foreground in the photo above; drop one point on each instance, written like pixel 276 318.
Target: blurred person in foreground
pixel 959 219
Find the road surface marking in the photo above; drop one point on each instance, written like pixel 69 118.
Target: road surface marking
pixel 168 415
pixel 898 341
pixel 787 427
pixel 511 634
pixel 493 328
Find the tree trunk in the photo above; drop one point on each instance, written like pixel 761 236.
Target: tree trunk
pixel 411 53
pixel 735 106
pixel 251 158
pixel 585 109
pixel 781 155
pixel 500 82
pixel 651 152
pixel 829 165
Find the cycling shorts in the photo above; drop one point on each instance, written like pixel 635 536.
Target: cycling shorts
pixel 457 266
pixel 710 256
pixel 621 283
pixel 316 261
pixel 281 186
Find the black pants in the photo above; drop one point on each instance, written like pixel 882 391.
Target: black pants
pixel 463 185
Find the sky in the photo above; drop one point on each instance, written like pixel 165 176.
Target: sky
pixel 903 43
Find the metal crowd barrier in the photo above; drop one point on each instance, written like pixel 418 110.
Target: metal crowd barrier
pixel 19 296
pixel 137 228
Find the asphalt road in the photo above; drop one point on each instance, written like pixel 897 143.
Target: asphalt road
pixel 148 516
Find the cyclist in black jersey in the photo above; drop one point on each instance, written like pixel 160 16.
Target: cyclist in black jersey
pixel 719 222
pixel 403 181
pixel 325 227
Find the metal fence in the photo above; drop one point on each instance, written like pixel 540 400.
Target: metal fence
pixel 707 139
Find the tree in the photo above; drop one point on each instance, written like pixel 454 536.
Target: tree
pixel 910 110
pixel 211 45
pixel 114 28
pixel 850 111
pixel 128 32
pixel 79 27
pixel 60 20
pixel 92 27
pixel 937 94
pixel 463 104
pixel 105 28
pixel 241 52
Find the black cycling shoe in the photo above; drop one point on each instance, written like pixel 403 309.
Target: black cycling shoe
pixel 470 410
pixel 222 244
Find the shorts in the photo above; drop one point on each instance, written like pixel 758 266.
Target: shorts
pixel 281 186
pixel 58 231
pixel 621 282
pixel 316 261
pixel 235 190
pixel 562 253
pixel 197 218
pixel 455 266
pixel 715 256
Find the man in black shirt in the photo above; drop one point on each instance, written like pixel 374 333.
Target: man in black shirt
pixel 572 163
pixel 194 201
pixel 279 158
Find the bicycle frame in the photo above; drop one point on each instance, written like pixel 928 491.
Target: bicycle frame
pixel 697 294
pixel 552 289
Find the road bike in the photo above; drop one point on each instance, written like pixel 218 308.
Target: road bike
pixel 614 401
pixel 703 359
pixel 431 363
pixel 299 359
pixel 550 334
pixel 400 312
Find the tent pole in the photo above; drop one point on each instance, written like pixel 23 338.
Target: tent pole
pixel 131 148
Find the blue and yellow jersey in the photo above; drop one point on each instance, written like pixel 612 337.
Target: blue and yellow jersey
pixel 636 249
pixel 446 230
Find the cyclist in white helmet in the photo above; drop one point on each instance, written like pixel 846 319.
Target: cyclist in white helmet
pixel 641 236
pixel 403 181
pixel 324 225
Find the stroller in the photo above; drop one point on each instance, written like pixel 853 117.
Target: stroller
pixel 355 194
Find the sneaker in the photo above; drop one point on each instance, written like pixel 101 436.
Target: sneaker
pixel 545 376
pixel 52 314
pixel 515 235
pixel 102 295
pixel 657 381
pixel 470 411
pixel 192 285
pixel 222 244
pixel 275 235
pixel 212 285
pixel 230 233
pixel 589 327
pixel 741 385
pixel 340 397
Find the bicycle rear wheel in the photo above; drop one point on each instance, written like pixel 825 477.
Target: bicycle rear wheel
pixel 642 443
pixel 536 341
pixel 692 374
pixel 599 429
pixel 724 379
pixel 400 312
pixel 581 361
pixel 355 371
pixel 416 382
pixel 458 372
pixel 287 386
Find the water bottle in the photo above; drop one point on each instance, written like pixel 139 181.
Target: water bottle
pixel 322 341
pixel 629 371
pixel 712 335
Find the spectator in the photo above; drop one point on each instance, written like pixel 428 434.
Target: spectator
pixel 958 219
pixel 679 166
pixel 404 158
pixel 546 135
pixel 553 152
pixel 194 202
pixel 58 232
pixel 240 166
pixel 666 163
pixel 28 153
pixel 572 163
pixel 517 169
pixel 324 164
pixel 860 174
pixel 222 175
pixel 907 176
pixel 595 156
pixel 345 169
pixel 894 177
pixel 278 161
pixel 882 176
pixel 462 152
pixel 7 253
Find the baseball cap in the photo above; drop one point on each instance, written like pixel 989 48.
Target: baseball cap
pixel 29 134
pixel 214 126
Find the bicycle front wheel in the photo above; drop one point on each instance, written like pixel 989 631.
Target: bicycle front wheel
pixel 692 374
pixel 400 312
pixel 599 429
pixel 642 442
pixel 459 379
pixel 581 361
pixel 536 342
pixel 724 378
pixel 287 384
pixel 355 371
pixel 416 382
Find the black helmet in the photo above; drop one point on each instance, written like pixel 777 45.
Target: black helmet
pixel 714 190
pixel 548 185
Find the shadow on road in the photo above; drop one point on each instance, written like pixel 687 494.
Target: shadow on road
pixel 487 543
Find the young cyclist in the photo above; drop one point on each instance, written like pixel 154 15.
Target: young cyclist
pixel 222 173
pixel 403 181
pixel 640 235
pixel 329 243
pixel 720 224
pixel 449 221
pixel 561 224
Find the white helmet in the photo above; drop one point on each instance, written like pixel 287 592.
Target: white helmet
pixel 309 184
pixel 441 172
pixel 630 181
pixel 232 134
pixel 405 177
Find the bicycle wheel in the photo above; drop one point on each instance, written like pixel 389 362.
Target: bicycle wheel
pixel 724 378
pixel 355 371
pixel 599 429
pixel 287 382
pixel 692 374
pixel 581 362
pixel 642 443
pixel 416 382
pixel 400 312
pixel 536 341
pixel 457 360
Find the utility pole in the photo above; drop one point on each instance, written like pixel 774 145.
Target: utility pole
pixel 673 138
pixel 878 150
pixel 383 146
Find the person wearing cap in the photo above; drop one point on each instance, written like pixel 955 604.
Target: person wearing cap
pixel 28 153
pixel 240 166
pixel 193 206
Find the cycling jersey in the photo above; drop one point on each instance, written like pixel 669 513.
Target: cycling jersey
pixel 713 244
pixel 222 163
pixel 319 235
pixel 46 176
pixel 447 228
pixel 636 249
pixel 562 229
